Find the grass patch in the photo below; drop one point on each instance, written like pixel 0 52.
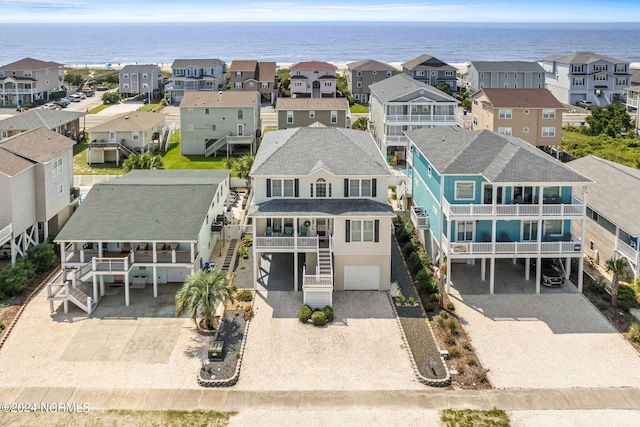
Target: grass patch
pixel 96 110
pixel 357 108
pixel 81 167
pixel 620 149
pixel 475 418
pixel 269 129
pixel 149 107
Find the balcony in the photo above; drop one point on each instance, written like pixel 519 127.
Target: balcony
pixel 286 244
pixel 396 140
pixel 421 119
pixel 419 218
pixel 512 249
pixel 574 210
pixel 632 102
pixel 135 257
pixel 628 251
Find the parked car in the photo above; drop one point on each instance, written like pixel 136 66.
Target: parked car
pixel 82 95
pixel 103 88
pixel 62 102
pixel 584 104
pixel 88 92
pixel 75 98
pixel 550 271
pixel 49 106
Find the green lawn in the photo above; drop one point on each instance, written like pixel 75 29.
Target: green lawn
pixel 357 108
pixel 269 129
pixel 81 167
pixel 99 108
pixel 173 160
pixel 149 107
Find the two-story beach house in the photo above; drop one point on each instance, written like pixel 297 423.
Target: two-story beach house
pixel 320 196
pixel 36 188
pixel 149 227
pixel 613 226
pixel 138 79
pixel 251 75
pixel 586 76
pixel 29 80
pixel 633 96
pixel 534 115
pixel 504 74
pixel 362 74
pixel 64 122
pixel 210 121
pixel 480 195
pixel 400 103
pixel 313 79
pixel 301 112
pixel 125 134
pixel 432 71
pixel 195 75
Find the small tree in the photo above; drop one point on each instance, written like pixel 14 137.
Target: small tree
pixel 444 88
pixel 243 166
pixel 442 277
pixel 110 97
pixel 147 160
pixel 201 293
pixel 617 268
pixel 14 279
pixel 361 123
pixel 42 256
pixel 73 79
pixel 611 120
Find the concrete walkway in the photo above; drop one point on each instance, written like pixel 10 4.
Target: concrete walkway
pixel 567 399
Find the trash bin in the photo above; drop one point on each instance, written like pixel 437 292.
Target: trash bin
pixel 464 112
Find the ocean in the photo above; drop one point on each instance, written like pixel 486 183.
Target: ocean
pixel 290 42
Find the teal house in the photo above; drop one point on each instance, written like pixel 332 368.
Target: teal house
pixel 480 196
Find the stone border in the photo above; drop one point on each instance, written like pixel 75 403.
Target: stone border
pixel 8 329
pixel 230 382
pixel 443 382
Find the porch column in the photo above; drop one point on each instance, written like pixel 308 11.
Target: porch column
pixel 580 272
pixel 538 271
pixel 527 267
pixel 95 288
pixel 193 253
pixel 126 289
pixel 492 276
pixel 449 276
pixel 45 227
pixel 567 267
pixel 295 254
pixel 256 259
pixel 585 191
pixel 155 281
pixel 483 269
pixel 101 285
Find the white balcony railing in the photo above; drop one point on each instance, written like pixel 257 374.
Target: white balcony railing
pixel 523 249
pixel 418 118
pixel 419 218
pixel 629 251
pixel 396 140
pixel 279 243
pixel 576 209
pixel 632 102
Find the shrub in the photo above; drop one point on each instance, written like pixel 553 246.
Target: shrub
pixel 443 314
pixel 434 297
pixel 449 339
pixel 634 331
pixel 450 306
pixel 460 369
pixel 328 312
pixel 304 314
pixel 424 314
pixel 247 242
pixel 454 352
pixel 412 300
pixel 466 346
pixel 453 325
pixel 598 286
pixel 419 260
pixel 481 376
pixel 408 248
pixel 441 322
pixel 403 298
pixel 429 307
pixel 42 256
pixel 425 280
pixel 244 295
pixel 318 318
pixel 415 242
pixel 15 279
pixel 627 297
pixel 471 361
pixel 601 305
pixel 248 312
pixel 242 251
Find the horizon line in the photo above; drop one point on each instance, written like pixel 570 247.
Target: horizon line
pixel 332 22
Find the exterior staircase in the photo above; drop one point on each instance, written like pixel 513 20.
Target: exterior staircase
pixel 325 267
pixel 80 299
pixel 318 288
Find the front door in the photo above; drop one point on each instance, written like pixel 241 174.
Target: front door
pixel 112 136
pixel 321 227
pixel 240 130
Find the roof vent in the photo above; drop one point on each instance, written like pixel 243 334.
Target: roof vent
pixel 220 93
pixel 442 138
pixel 126 117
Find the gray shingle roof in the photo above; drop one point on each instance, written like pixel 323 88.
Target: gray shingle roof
pixel 401 85
pixel 229 98
pixel 300 151
pixel 321 207
pixel 427 62
pixel 499 158
pixel 507 66
pixel 616 192
pixel 199 63
pixel 134 121
pixel 582 58
pixel 140 68
pixel 12 165
pixel 154 205
pixel 29 64
pixel 312 104
pixel 370 65
pixel 32 119
pixel 38 145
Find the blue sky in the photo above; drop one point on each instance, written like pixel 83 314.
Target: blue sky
pixel 17 11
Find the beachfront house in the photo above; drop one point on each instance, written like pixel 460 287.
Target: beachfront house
pixel 400 103
pixel 362 74
pixel 320 205
pixel 29 80
pixel 482 196
pixel 139 231
pixel 504 74
pixel 195 75
pixel 432 71
pixel 313 79
pixel 534 115
pixel 586 76
pixel 36 189
pixel 64 122
pixel 250 75
pixel 612 227
pixel 213 121
pixel 125 134
pixel 138 79
pixel 301 112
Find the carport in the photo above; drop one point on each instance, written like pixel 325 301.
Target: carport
pixel 275 272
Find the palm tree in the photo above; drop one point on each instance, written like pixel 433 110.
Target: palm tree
pixel 361 123
pixel 243 167
pixel 618 268
pixel 442 277
pixel 147 160
pixel 201 293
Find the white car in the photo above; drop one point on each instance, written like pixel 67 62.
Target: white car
pixel 74 98
pixel 82 95
pixel 49 106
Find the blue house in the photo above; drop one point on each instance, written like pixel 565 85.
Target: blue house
pixel 480 195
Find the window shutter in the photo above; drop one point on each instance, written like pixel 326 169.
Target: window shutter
pixel 347 236
pixel 268 187
pixel 268 222
pixel 374 185
pixel 296 187
pixel 311 190
pixel 346 187
pixel 376 230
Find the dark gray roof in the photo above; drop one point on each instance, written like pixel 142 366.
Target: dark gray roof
pixel 499 158
pixel 145 205
pixel 427 62
pixel 504 66
pixel 635 77
pixel 302 151
pixel 401 85
pixel 141 68
pixel 370 65
pixel 615 193
pixel 582 58
pixel 349 207
pixel 39 145
pixel 29 64
pixel 199 63
pixel 32 119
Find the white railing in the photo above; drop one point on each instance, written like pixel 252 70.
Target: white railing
pixel 90 180
pixel 216 146
pixel 282 243
pixel 632 102
pixel 427 118
pixel 573 210
pixel 317 281
pixel 419 218
pixel 627 250
pixel 5 234
pixel 468 249
pixel 399 140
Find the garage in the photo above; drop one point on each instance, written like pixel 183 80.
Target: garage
pixel 361 277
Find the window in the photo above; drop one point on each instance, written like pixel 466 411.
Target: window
pixel 549 114
pixel 145 85
pixel 289 117
pixel 60 189
pixel 594 215
pixel 321 188
pixel 237 85
pixel 504 131
pixel 576 68
pixel 298 72
pixel 312 114
pixel 389 74
pixel 526 111
pixel 358 84
pixel 464 231
pixel 600 67
pixel 145 76
pixel 240 113
pixel 135 136
pixel 475 120
pixel 433 73
pixel 362 231
pixel 420 73
pixel 482 75
pixel 506 75
pixel 374 72
pixel 525 130
pixel 57 166
pixel 529 230
pixel 621 82
pixel 552 226
pixel 360 188
pixel 505 113
pixel 549 132
pixel 125 76
pixel 251 84
pixel 356 96
pixel 328 84
pixel 238 73
pixel 515 85
pixel 334 117
pixel 465 190
pixel 592 245
pixel 359 73
pixel 475 101
pixel 282 188
pixel 429 171
pixel 213 127
pixel 448 73
pixel 515 75
pixel 578 81
pixel 600 77
pixel 27 73
pixel 297 84
pixel 327 72
pixel 264 85
pixel 621 68
pixel 125 85
pixel 206 111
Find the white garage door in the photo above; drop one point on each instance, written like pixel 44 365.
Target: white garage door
pixel 317 299
pixel 361 277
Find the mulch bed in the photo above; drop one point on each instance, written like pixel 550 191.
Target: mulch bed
pixel 232 333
